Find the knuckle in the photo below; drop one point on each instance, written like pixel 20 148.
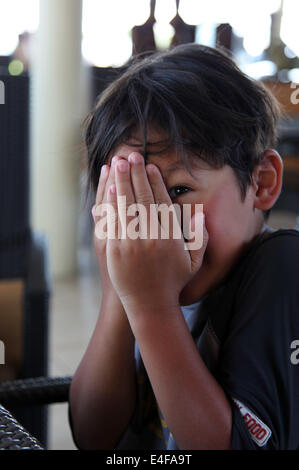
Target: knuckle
pixel 144 197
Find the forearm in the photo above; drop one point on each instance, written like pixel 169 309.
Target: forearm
pixel 103 390
pixel 194 406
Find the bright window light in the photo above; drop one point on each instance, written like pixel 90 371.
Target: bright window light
pixel 106 29
pixel 289 25
pixel 198 12
pixel 226 11
pixel 254 28
pixel 107 24
pixel 163 33
pixel 206 34
pixel 16 17
pixel 293 75
pixel 256 43
pixel 165 10
pixel 257 70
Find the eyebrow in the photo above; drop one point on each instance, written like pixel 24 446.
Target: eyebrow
pixel 140 144
pixel 174 168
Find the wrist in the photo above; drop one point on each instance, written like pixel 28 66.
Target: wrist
pixel 113 314
pixel 149 309
pixel 162 299
pixel 148 320
pixel 110 299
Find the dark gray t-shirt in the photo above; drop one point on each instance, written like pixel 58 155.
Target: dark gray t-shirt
pixel 247 332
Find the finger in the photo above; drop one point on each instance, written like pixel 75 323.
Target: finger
pixel 148 220
pixel 166 210
pixel 125 193
pixel 157 184
pixel 100 191
pixel 107 178
pixel 111 177
pixel 112 215
pixel 141 186
pixel 102 183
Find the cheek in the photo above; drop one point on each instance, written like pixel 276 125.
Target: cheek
pixel 224 214
pixel 216 216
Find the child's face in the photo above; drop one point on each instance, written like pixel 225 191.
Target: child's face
pixel 230 221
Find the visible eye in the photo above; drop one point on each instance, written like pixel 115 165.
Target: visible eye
pixel 177 191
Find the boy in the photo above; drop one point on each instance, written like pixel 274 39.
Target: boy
pixel 192 348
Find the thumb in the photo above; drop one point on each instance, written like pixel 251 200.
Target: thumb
pixel 198 245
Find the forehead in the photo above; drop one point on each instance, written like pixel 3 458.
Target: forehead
pixel 157 146
pixel 161 153
pixel 153 134
pixel 159 150
pixel 166 161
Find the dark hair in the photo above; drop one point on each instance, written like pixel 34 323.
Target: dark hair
pixel 199 97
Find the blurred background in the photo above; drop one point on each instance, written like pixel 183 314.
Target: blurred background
pixel 56 56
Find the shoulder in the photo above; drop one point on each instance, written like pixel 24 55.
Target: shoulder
pixel 274 255
pixel 282 239
pixel 269 281
pixel 263 286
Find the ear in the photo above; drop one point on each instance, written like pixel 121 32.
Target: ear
pixel 267 180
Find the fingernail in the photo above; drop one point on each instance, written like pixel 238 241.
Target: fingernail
pixel 113 161
pixel 112 189
pixel 152 169
pixel 135 158
pixel 123 166
pixel 104 170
